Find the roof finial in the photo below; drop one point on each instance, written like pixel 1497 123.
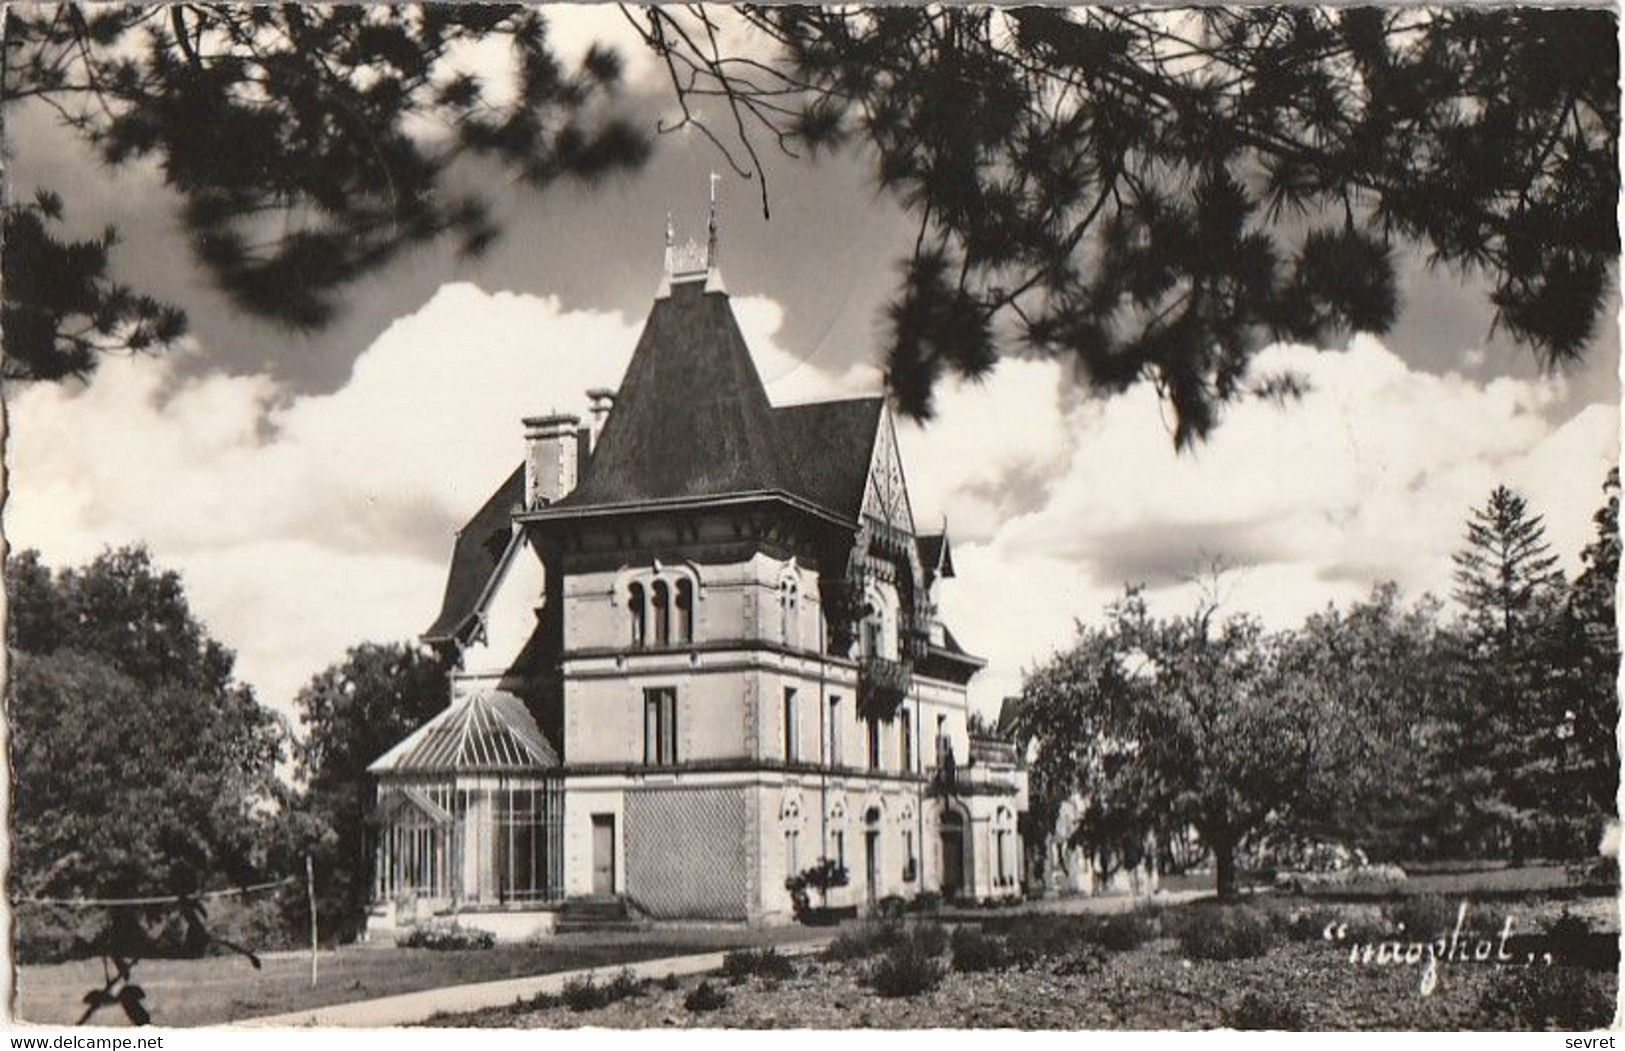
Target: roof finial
pixel 711 227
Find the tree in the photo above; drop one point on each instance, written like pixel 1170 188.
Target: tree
pixel 1381 678
pixel 351 714
pixel 1147 193
pixel 1588 663
pixel 140 767
pixel 310 146
pixel 1153 193
pixel 1507 743
pixel 1163 723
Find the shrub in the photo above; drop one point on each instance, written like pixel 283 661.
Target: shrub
pixel 928 902
pixel 583 994
pixel 1082 959
pixel 891 907
pixel 705 997
pixel 864 940
pixel 1221 932
pixel 447 939
pixel 1422 917
pixel 1125 930
pixel 1547 998
pixel 822 877
pixel 906 969
pixel 763 963
pixel 975 951
pixel 670 982
pixel 930 938
pixel 1266 1011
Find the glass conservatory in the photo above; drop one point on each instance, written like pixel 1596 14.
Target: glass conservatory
pixel 470 815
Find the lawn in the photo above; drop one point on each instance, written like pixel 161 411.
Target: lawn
pixel 1262 965
pixel 226 989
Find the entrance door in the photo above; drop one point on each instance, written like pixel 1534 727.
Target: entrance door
pixel 871 863
pixel 953 855
pixel 603 855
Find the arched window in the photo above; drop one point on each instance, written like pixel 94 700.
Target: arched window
pixel 685 611
pixel 662 608
pixel 638 612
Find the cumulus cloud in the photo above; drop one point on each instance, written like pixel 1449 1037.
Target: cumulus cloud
pixel 305 524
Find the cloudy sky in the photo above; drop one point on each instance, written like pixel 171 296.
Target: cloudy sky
pixel 307 487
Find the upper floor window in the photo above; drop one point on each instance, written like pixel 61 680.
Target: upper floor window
pixel 638 612
pixel 661 601
pixel 660 609
pixel 874 744
pixel 834 731
pixel 905 740
pixel 791 735
pixel 660 726
pixel 789 611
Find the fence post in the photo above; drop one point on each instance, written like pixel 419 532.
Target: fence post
pixel 310 892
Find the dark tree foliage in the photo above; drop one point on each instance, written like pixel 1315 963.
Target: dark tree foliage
pixel 351 714
pixel 309 146
pixel 1151 194
pixel 1588 660
pixel 140 767
pixel 1507 749
pixel 61 308
pixel 1380 678
pixel 1157 724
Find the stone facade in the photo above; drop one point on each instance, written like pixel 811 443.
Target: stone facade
pixel 722 621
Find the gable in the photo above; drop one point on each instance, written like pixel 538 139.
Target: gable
pixel 474 558
pixel 885 494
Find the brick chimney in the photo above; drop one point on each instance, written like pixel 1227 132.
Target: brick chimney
pixel 552 458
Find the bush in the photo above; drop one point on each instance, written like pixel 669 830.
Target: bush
pixel 928 902
pixel 1221 932
pixel 930 938
pixel 891 907
pixel 670 982
pixel 705 997
pixel 448 939
pixel 907 969
pixel 864 940
pixel 1125 930
pixel 1423 917
pixel 583 994
pixel 974 951
pixel 761 963
pixel 1260 1011
pixel 1549 998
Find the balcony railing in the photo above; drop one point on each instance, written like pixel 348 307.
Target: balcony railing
pixel 882 686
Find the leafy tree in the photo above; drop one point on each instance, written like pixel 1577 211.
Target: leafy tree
pixel 140 766
pixel 309 145
pixel 1381 679
pixel 351 714
pixel 1153 193
pixel 1588 661
pixel 1162 723
pixel 1507 732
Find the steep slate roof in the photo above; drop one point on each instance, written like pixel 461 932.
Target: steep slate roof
pixel 488 731
pixel 691 418
pixel 828 445
pixel 474 557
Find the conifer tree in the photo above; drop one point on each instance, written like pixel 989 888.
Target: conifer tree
pixel 1505 752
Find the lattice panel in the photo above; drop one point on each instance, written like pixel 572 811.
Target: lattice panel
pixel 687 852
